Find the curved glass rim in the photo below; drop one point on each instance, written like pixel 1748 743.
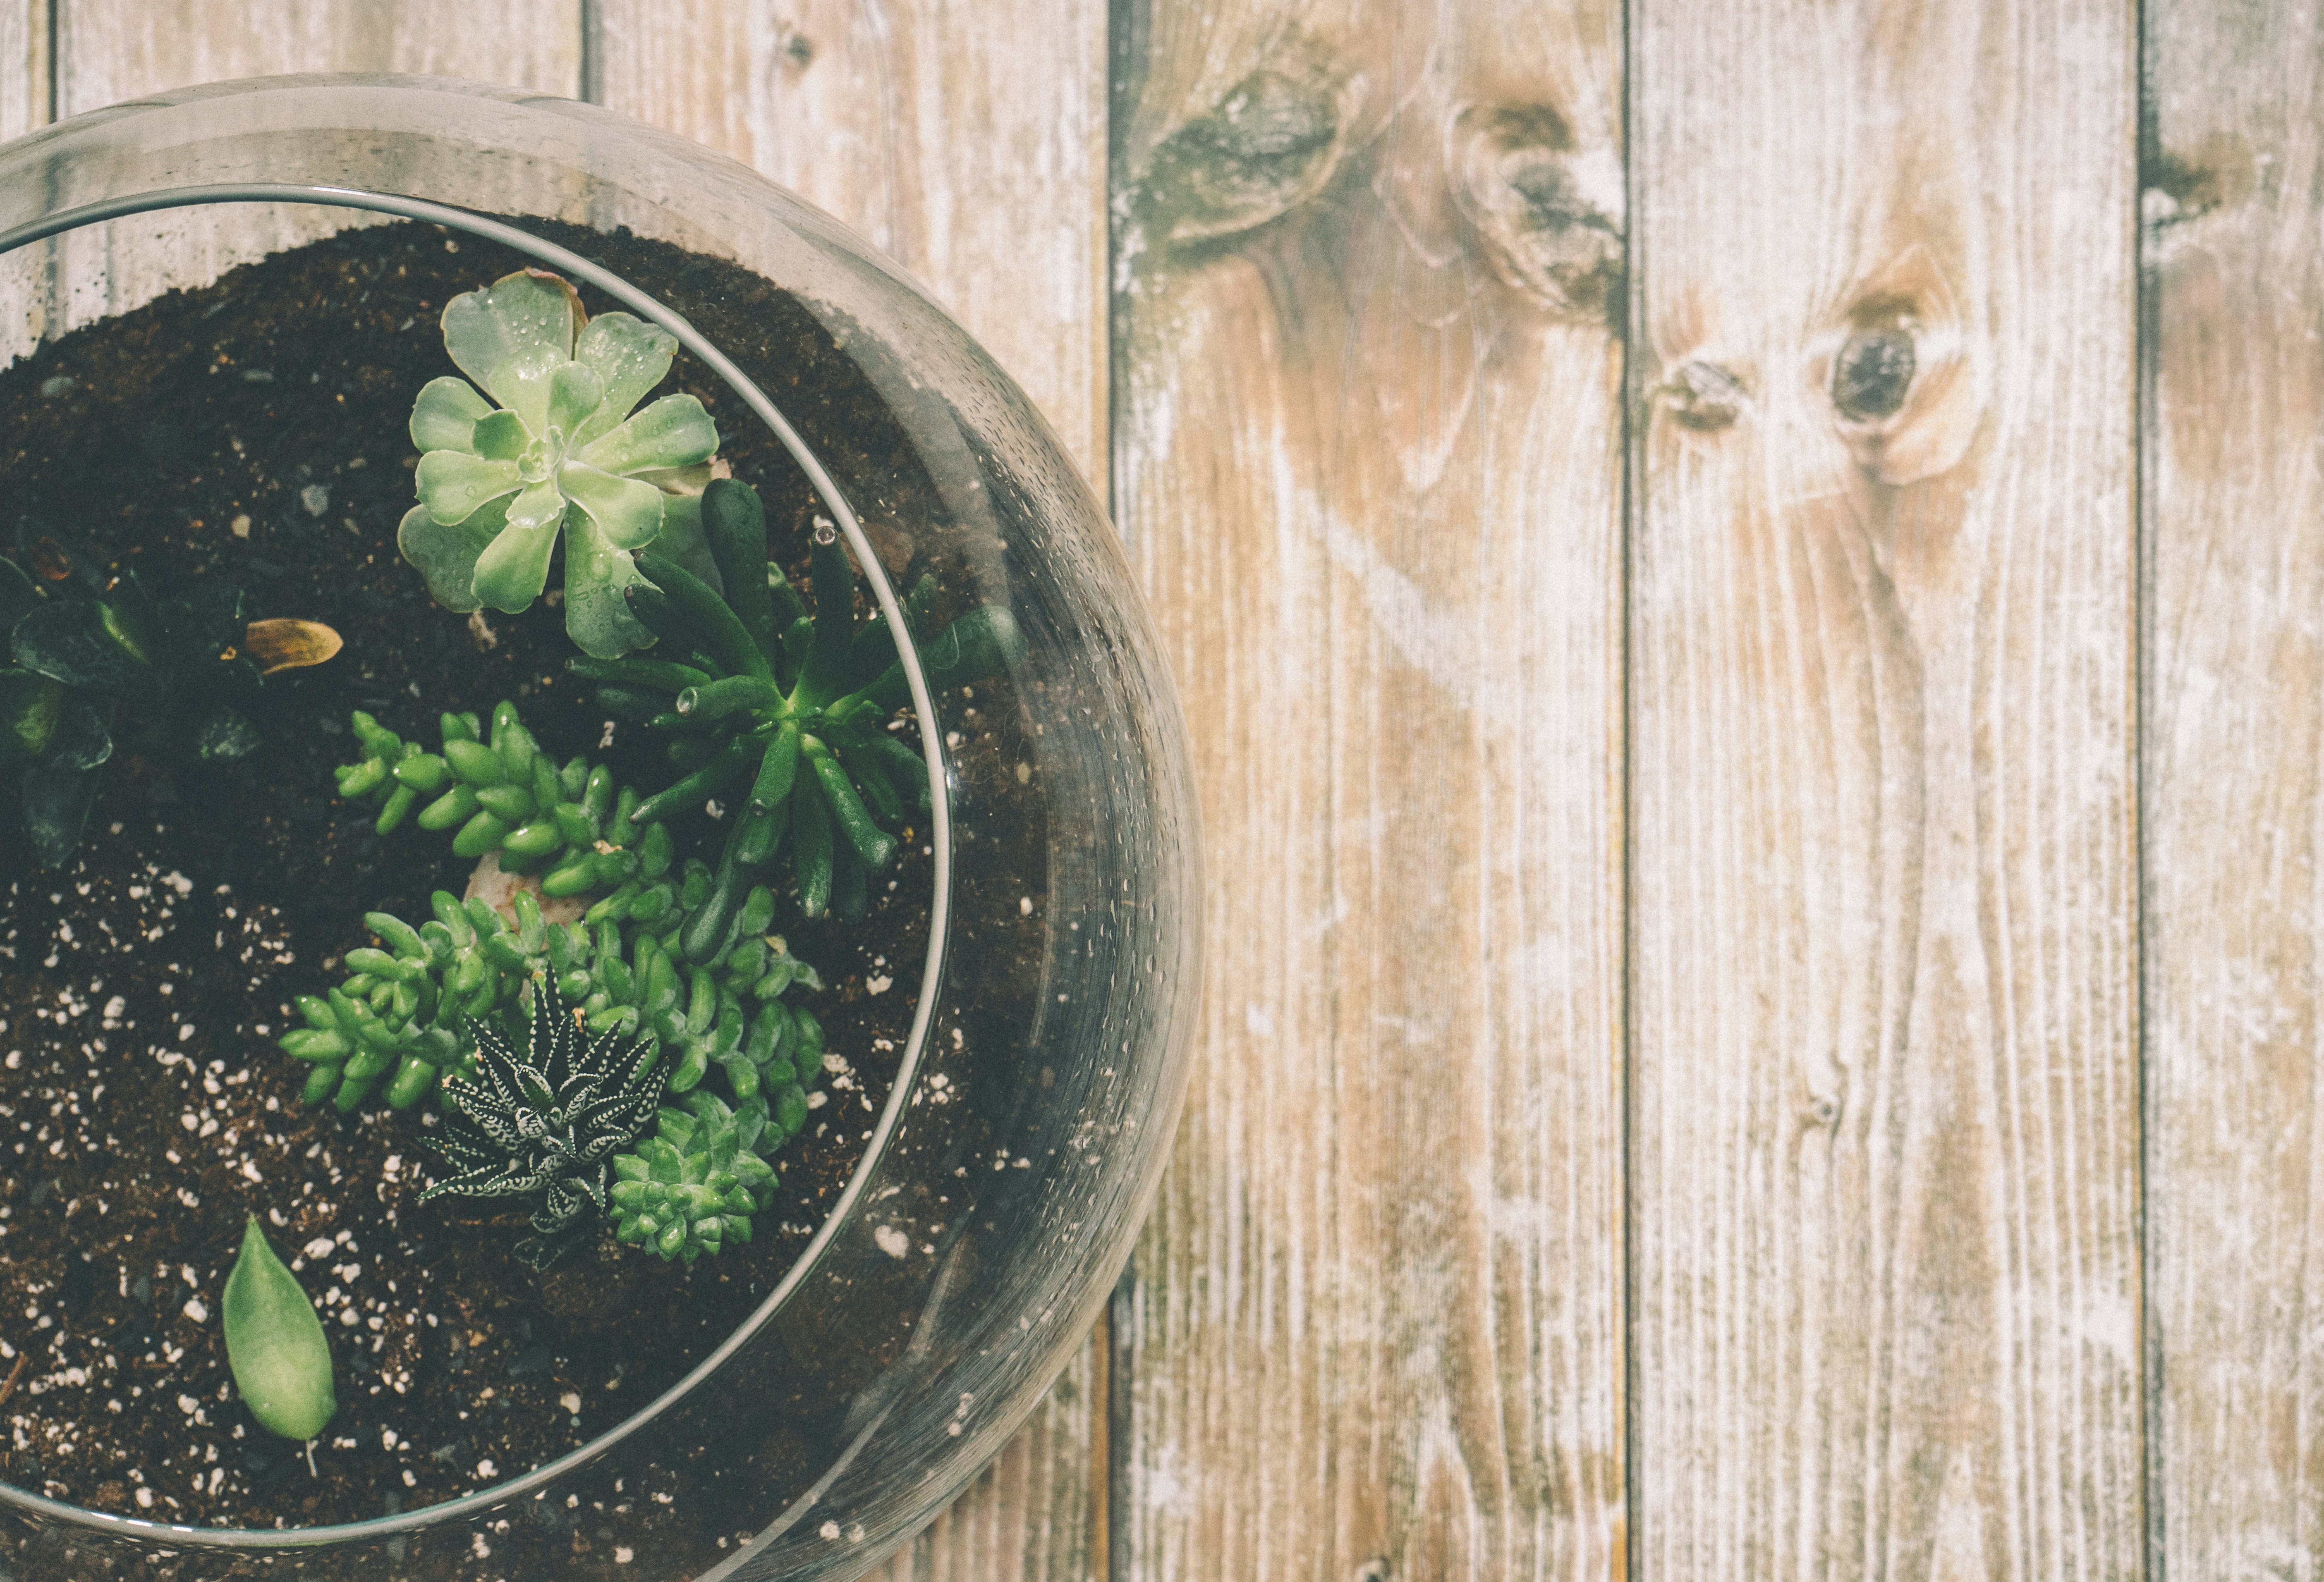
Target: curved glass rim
pixel 931 749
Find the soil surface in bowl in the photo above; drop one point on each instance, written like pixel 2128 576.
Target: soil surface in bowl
pixel 256 431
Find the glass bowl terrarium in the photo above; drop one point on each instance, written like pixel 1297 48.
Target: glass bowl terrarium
pixel 598 933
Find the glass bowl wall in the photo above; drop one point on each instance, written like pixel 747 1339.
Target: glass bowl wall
pixel 1015 1198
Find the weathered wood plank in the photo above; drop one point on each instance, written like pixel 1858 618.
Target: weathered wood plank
pixel 1026 1518
pixel 1369 461
pixel 2234 781
pixel 1884 1135
pixel 969 142
pixel 113 49
pixel 109 51
pixel 24 66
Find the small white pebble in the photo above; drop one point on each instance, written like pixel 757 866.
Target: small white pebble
pixel 828 1531
pixel 570 1400
pixel 892 1241
pixel 321 1246
pixel 145 1499
pixel 195 1311
pixel 623 1554
pixel 1025 906
pixel 484 1468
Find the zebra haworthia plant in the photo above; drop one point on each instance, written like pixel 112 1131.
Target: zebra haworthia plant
pixel 556 448
pixel 544 1124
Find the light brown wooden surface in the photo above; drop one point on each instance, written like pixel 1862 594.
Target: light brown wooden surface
pixel 2234 801
pixel 1885 1142
pixel 1849 727
pixel 967 141
pixel 1369 465
pixel 23 66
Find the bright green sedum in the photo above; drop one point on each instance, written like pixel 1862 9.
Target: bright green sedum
pixel 556 448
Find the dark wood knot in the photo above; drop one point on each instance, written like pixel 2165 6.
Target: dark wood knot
pixel 1872 374
pixel 1270 143
pixel 1550 213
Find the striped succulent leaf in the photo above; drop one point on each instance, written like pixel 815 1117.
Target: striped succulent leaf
pixel 546 1122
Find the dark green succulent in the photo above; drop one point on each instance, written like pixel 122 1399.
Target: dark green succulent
pixel 94 659
pixel 545 1125
pixel 790 710
pixel 693 1186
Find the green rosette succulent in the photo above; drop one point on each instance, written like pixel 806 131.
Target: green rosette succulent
pixel 556 449
pixel 544 1124
pixel 692 1187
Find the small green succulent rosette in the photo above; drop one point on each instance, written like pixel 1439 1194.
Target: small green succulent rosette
pixel 556 448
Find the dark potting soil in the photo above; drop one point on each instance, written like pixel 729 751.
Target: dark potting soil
pixel 254 430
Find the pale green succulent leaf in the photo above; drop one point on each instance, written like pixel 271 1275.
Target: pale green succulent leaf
pixel 454 485
pixel 514 567
pixel 508 335
pixel 445 414
pixel 673 432
pixel 446 555
pixel 631 356
pixel 597 616
pixel 542 505
pixel 574 394
pixel 274 1343
pixel 627 512
pixel 499 437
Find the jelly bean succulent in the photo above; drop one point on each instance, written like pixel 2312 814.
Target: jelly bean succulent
pixel 544 1124
pixel 400 1018
pixel 556 449
pixel 693 1186
pixel 94 659
pixel 794 712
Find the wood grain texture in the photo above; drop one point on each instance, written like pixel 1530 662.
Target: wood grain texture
pixel 1884 1138
pixel 108 50
pixel 111 51
pixel 2234 782
pixel 1028 1516
pixel 967 141
pixel 24 66
pixel 1369 462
